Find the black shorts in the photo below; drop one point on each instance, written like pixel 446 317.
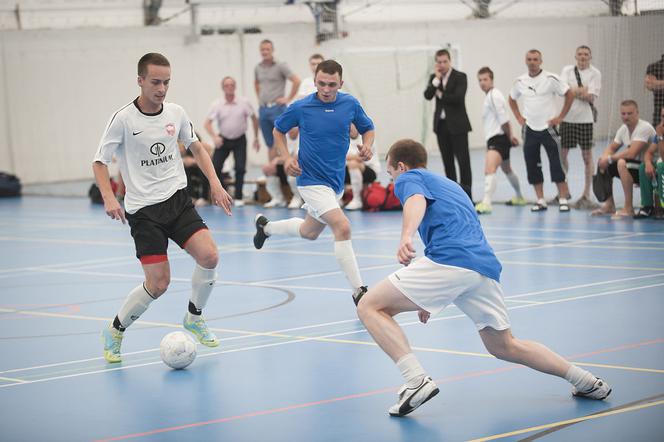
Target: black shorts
pixel 501 144
pixel 632 167
pixel 368 176
pixel 152 226
pixel 573 134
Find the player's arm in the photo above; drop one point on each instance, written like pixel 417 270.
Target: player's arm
pixel 432 85
pixel 515 110
pixel 649 159
pixel 569 98
pixel 457 94
pixel 295 86
pixel 366 148
pixel 631 152
pixel 254 125
pixel 218 141
pixel 606 158
pixel 652 83
pixel 219 196
pixel 290 163
pixel 111 204
pixel 257 87
pixel 413 213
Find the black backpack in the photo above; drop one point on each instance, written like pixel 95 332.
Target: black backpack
pixel 602 185
pixel 10 185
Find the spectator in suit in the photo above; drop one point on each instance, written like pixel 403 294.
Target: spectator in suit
pixel 450 120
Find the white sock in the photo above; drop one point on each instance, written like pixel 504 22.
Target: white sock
pixel 583 380
pixel 356 183
pixel 134 306
pixel 343 250
pixel 489 188
pixel 288 227
pixel 411 370
pixel 292 182
pixel 202 283
pixel 273 186
pixel 514 181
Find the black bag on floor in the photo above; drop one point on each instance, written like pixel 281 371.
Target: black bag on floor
pixel 602 185
pixel 10 185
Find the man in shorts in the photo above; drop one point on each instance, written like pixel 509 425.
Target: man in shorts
pixel 143 135
pixel 499 141
pixel 324 120
pixel 459 266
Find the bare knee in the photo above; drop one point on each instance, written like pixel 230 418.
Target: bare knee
pixel 209 259
pixel 158 286
pixel 309 234
pixel 342 230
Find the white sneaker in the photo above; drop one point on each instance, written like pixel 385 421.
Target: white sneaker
pixel 238 203
pixel 354 205
pixel 600 390
pixel 295 202
pixel 412 397
pixel 274 203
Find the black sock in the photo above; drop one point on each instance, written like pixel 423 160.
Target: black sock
pixel 193 310
pixel 117 325
pixel 281 173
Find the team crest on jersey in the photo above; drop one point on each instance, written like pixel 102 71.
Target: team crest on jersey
pixel 170 129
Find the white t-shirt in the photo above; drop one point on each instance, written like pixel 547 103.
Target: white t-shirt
pixel 539 105
pixel 146 148
pixel 592 79
pixel 374 162
pixel 307 87
pixel 494 113
pixel 642 132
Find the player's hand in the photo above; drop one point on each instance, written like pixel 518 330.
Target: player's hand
pixel 521 120
pixel 114 210
pixel 603 162
pixel 292 167
pixel 650 170
pixel 220 197
pixel 406 251
pixel 218 141
pixel 555 122
pixel 281 100
pixel 424 316
pixel 514 141
pixel 257 145
pixel 365 152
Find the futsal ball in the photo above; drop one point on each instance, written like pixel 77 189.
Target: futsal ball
pixel 177 350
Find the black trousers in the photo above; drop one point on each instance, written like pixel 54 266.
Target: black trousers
pixel 455 146
pixel 532 140
pixel 239 148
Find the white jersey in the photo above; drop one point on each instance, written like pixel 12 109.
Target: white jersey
pixel 146 148
pixel 538 93
pixel 373 163
pixel 642 132
pixel 494 114
pixel 591 78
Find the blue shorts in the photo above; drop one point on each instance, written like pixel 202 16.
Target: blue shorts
pixel 267 116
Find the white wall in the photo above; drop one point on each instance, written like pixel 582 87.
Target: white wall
pixel 58 88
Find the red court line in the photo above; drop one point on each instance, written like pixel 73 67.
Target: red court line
pixel 468 375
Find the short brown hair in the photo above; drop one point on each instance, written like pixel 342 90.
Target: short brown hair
pixel 151 58
pixel 409 152
pixel 535 51
pixel 585 47
pixel 317 57
pixel 486 70
pixel 443 52
pixel 330 67
pixel 630 103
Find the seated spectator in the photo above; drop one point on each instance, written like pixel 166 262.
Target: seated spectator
pixel 634 135
pixel 359 173
pixel 273 184
pixel 652 169
pixel 198 186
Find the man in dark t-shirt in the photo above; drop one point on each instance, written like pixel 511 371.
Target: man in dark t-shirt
pixel 654 82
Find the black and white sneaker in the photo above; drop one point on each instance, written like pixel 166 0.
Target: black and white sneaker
pixel 538 207
pixel 600 390
pixel 357 295
pixel 644 212
pixel 412 397
pixel 260 236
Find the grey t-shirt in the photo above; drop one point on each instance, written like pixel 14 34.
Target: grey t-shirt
pixel 272 80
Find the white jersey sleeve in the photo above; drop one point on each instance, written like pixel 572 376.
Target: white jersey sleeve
pixel 187 134
pixel 500 106
pixel 560 87
pixel 643 132
pixel 595 82
pixel 111 139
pixel 515 92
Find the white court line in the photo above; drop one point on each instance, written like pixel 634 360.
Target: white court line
pixel 311 338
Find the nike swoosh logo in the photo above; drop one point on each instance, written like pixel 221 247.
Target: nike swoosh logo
pixel 136 133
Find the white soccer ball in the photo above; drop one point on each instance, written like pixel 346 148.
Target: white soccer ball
pixel 177 350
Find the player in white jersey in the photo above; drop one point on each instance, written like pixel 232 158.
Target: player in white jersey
pixel 585 82
pixel 499 140
pixel 359 172
pixel 144 135
pixel 538 89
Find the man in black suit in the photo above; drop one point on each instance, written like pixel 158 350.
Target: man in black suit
pixel 450 120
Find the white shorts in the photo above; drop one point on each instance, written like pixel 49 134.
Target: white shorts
pixel 318 200
pixel 432 286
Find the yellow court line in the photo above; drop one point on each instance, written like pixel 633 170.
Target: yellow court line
pixel 20 381
pixel 568 422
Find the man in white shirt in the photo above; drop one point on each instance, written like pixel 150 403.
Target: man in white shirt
pixel 230 114
pixel 499 141
pixel 144 135
pixel 634 135
pixel 585 82
pixel 359 172
pixel 538 89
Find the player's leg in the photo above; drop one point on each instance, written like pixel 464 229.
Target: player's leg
pixel 646 187
pixel 551 143
pixel 446 150
pixel 355 172
pixel 343 248
pixel 376 310
pixel 462 155
pixel 491 163
pixel 533 160
pixel 627 182
pixel 517 199
pixel 240 155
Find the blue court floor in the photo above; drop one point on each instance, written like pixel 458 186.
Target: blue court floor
pixel 295 364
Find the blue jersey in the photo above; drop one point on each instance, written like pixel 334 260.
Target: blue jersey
pixel 324 136
pixel 450 229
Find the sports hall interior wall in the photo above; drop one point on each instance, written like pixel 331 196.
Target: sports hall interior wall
pixel 59 87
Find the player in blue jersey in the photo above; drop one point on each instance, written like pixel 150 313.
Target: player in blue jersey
pixel 458 266
pixel 324 120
